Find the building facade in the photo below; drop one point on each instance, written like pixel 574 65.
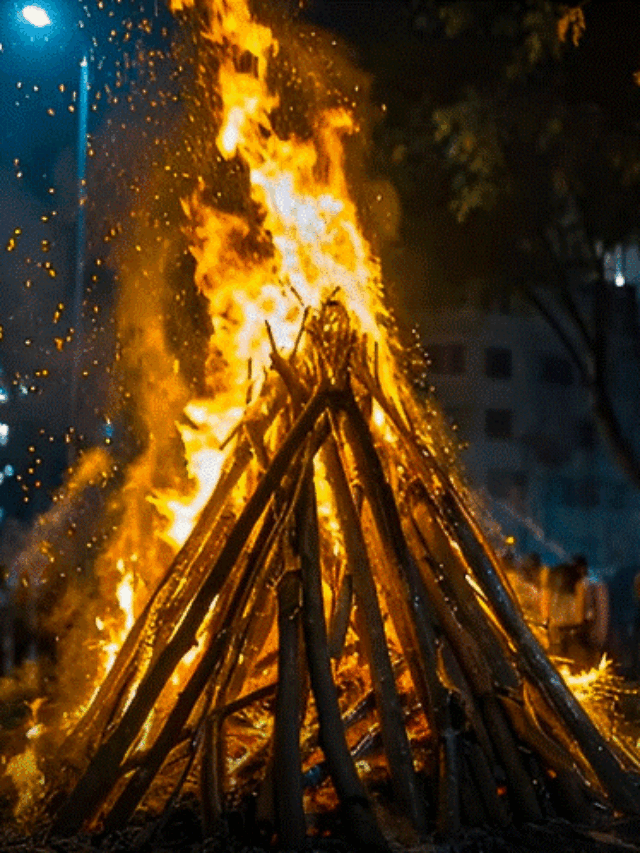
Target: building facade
pixel 529 443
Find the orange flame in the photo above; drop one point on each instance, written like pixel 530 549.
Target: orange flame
pixel 306 244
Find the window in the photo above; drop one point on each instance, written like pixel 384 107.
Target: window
pixel 498 423
pixel 580 492
pixel 446 358
pixel 497 363
pixel 508 486
pixel 556 370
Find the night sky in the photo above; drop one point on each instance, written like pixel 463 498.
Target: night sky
pixel 39 115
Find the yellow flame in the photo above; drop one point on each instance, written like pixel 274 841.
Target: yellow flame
pixel 117 630
pixel 583 683
pixel 303 244
pixel 125 596
pixel 202 439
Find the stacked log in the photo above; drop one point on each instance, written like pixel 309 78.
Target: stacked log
pixel 472 722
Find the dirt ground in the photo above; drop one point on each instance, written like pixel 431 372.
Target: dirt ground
pixel 182 835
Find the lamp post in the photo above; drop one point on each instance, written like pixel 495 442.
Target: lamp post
pixel 38 17
pixel 81 225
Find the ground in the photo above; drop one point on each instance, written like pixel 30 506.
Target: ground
pixel 182 835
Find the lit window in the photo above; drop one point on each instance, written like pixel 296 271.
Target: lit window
pixel 4 434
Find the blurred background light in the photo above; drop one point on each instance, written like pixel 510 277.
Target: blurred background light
pixel 36 16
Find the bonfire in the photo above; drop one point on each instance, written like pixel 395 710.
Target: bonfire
pixel 333 630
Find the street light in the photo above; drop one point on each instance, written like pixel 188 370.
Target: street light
pixel 38 17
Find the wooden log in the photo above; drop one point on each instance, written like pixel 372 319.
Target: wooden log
pixel 385 512
pixel 618 785
pixel 359 820
pixel 384 509
pixel 341 616
pixel 478 672
pixel 172 591
pixel 103 770
pixel 290 818
pixel 396 742
pixel 448 818
pixel 212 774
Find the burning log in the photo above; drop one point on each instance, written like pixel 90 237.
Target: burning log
pixel 371 627
pixel 103 770
pixel 460 642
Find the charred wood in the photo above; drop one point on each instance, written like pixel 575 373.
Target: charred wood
pixel 287 764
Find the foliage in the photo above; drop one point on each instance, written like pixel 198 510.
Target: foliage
pixel 512 133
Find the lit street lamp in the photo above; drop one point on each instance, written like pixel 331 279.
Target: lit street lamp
pixel 37 16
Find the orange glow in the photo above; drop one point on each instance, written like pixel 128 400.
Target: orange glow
pixel 308 245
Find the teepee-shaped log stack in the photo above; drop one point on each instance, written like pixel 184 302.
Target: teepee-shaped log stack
pixel 337 534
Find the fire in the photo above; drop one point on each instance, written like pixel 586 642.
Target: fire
pixel 118 630
pixel 203 436
pixel 24 768
pixel 267 267
pixel 303 244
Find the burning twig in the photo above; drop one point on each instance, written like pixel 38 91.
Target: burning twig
pixel 397 749
pixel 614 780
pixel 358 813
pixel 104 768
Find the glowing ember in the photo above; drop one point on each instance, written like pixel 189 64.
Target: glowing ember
pixel 28 779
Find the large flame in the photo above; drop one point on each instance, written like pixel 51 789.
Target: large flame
pixel 293 241
pixel 301 242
